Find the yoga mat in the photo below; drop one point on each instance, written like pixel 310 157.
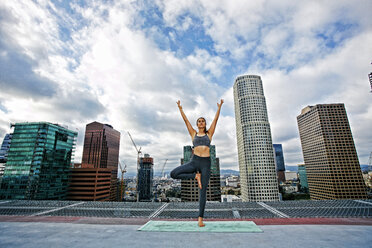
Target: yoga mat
pixel 192 226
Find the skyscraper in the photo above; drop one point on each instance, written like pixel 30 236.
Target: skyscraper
pixel 4 152
pixel 5 147
pixel 189 187
pixel 331 161
pixel 101 150
pixel 279 162
pixel 255 149
pixel 279 157
pixel 145 178
pixel 39 160
pixel 303 178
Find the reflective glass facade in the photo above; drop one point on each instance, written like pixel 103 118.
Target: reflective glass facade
pixel 5 147
pixel 145 178
pixel 279 157
pixel 303 177
pixel 39 160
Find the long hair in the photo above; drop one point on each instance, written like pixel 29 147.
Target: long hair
pixel 205 128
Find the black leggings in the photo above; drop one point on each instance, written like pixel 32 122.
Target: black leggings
pixel 188 171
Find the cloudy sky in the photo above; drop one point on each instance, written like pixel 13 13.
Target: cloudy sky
pixel 126 63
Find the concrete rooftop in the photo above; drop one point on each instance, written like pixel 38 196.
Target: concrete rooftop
pixel 341 223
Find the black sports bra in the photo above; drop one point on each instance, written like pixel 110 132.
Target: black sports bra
pixel 201 141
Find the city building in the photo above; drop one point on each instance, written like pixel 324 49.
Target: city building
pixel 189 187
pixel 89 184
pixel 291 176
pixel 4 152
pixel 145 178
pixel 303 178
pixel 279 162
pixel 39 161
pixel 331 161
pixel 101 150
pixel 290 188
pixel 232 181
pixel 2 169
pixel 230 198
pixel 255 149
pixel 5 147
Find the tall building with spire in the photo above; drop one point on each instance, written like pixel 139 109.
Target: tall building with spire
pixel 255 148
pixel 331 160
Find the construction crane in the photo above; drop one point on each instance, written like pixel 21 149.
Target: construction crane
pixel 162 170
pixel 122 180
pixel 138 161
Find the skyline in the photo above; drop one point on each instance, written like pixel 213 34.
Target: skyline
pixel 126 64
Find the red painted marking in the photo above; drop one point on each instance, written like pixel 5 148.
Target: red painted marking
pixel 295 221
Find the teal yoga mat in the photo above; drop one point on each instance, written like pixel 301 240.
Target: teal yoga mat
pixel 192 226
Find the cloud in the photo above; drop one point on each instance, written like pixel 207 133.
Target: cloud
pixel 128 63
pixel 18 76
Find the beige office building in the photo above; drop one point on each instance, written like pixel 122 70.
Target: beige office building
pixel 331 161
pixel 255 148
pixel 189 187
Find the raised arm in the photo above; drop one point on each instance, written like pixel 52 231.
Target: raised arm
pixel 214 122
pixel 188 125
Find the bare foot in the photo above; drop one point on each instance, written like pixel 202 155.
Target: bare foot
pixel 198 178
pixel 200 222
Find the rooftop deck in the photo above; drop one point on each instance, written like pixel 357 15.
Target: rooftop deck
pixel 305 224
pixel 189 210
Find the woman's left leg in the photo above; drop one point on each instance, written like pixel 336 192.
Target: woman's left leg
pixel 185 171
pixel 205 170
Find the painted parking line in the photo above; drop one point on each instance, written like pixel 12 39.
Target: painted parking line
pixel 56 209
pixel 273 210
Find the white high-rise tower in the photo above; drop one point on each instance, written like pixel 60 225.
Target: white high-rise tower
pixel 255 149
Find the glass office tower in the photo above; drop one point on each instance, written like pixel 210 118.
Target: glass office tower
pixel 303 178
pixel 279 157
pixel 5 147
pixel 39 159
pixel 145 178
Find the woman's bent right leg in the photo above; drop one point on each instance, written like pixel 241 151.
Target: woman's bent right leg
pixel 185 171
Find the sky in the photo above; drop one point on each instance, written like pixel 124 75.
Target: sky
pixel 126 63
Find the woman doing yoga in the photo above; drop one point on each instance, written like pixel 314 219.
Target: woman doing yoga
pixel 200 165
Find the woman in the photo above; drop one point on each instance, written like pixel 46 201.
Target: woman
pixel 200 165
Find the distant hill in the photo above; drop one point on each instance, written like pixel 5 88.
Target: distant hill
pixel 364 167
pixel 229 172
pixel 291 168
